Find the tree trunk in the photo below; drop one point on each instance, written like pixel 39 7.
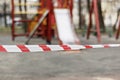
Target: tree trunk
pixel 23 16
pixel 5 14
pixel 80 19
pixel 88 5
pixel 101 20
pixel 114 26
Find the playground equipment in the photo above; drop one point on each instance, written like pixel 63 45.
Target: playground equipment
pixel 36 26
pixel 65 27
pixel 23 8
pixel 43 21
pixel 94 9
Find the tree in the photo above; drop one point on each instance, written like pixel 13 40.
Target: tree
pixel 5 13
pixel 101 20
pixel 80 19
pixel 23 16
pixel 114 26
pixel 88 5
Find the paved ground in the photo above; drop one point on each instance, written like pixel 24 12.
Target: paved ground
pixel 91 64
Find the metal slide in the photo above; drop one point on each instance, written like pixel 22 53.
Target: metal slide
pixel 65 28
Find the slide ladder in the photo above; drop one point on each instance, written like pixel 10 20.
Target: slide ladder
pixel 23 9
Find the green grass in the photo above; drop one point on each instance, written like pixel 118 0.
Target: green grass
pixel 5 29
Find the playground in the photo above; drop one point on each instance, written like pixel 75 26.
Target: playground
pixel 46 23
pixel 50 19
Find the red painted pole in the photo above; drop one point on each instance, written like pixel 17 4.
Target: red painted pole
pixel 71 7
pixel 13 22
pixel 97 20
pixel 49 28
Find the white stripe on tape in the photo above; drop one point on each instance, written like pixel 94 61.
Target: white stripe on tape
pixel 11 48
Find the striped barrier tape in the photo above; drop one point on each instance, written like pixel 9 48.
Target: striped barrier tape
pixel 43 48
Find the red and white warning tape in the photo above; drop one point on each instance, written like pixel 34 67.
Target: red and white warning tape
pixel 43 48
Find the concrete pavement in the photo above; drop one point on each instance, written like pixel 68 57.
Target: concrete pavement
pixel 90 64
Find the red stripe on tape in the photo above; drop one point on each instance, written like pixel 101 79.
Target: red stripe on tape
pixel 88 46
pixel 2 49
pixel 45 47
pixel 23 48
pixel 65 47
pixel 106 46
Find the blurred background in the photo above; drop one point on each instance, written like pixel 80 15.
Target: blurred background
pixel 17 16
